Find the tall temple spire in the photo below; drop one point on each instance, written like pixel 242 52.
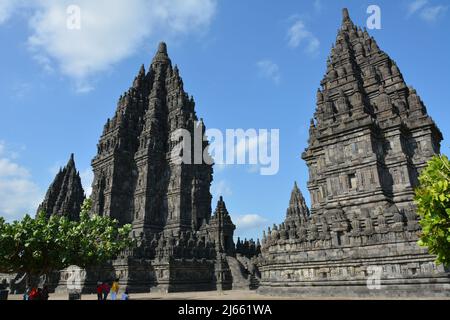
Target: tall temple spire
pixel 362 92
pixel 65 195
pixel 135 180
pixel 371 138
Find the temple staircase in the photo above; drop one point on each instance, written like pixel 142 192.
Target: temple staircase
pixel 241 277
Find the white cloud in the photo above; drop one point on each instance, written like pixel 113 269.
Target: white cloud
pixel 110 31
pixel 87 176
pixel 431 14
pixel 54 169
pixel 221 188
pixel 220 167
pixel 249 145
pixel 298 35
pixel 7 8
pixel 416 6
pixel 425 11
pixel 20 90
pixel 19 195
pixel 318 6
pixel 249 221
pixel 11 169
pixel 269 70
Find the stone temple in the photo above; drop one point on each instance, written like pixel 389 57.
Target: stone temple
pixel 181 245
pixel 65 195
pixel 368 141
pixel 135 180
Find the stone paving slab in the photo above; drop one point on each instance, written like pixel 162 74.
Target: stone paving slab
pixel 225 295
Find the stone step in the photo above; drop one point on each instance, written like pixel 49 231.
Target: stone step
pixel 241 279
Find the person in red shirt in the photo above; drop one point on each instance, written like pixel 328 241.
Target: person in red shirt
pixel 99 291
pixel 106 288
pixel 34 294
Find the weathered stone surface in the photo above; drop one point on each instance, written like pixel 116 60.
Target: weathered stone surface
pixel 181 247
pixel 369 139
pixel 65 195
pixel 221 228
pixel 135 179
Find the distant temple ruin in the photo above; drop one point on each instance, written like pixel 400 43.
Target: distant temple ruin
pixel 65 195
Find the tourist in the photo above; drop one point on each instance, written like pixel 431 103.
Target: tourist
pixel 26 295
pixel 44 293
pixel 105 288
pixel 115 289
pixel 34 295
pixel 99 291
pixel 126 295
pixel 39 294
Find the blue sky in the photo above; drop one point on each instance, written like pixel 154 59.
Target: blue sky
pixel 249 64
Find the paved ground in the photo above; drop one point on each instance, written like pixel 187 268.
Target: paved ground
pixel 226 295
pixel 212 295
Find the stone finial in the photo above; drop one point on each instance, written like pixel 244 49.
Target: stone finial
pixel 71 162
pixel 345 14
pixel 142 70
pixel 161 55
pixel 162 48
pixel 221 206
pixel 139 78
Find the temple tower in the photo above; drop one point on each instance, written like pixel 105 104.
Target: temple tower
pixel 136 177
pixel 297 210
pixel 371 133
pixel 221 229
pixel 65 195
pixel 369 139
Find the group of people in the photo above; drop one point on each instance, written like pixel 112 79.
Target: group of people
pixel 36 293
pixel 104 289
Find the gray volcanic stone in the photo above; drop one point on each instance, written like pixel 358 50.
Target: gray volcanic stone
pixel 369 139
pixel 65 195
pixel 180 245
pixel 135 180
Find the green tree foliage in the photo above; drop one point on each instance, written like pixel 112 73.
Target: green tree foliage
pixel 433 201
pixel 41 245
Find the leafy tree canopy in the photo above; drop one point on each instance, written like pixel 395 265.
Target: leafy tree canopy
pixel 433 201
pixel 40 245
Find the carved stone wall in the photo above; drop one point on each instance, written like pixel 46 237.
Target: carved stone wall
pixel 369 139
pixel 65 195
